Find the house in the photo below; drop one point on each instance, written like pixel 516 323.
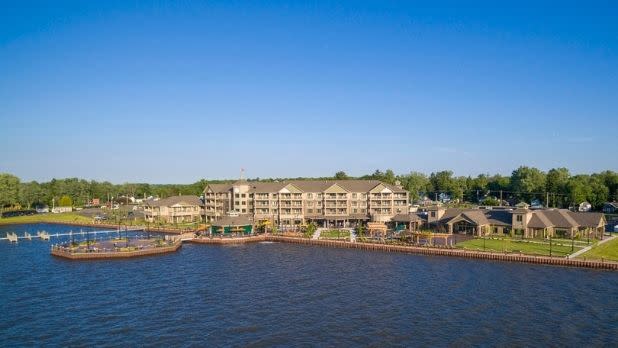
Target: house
pixel 57 210
pixel 328 203
pixel 536 204
pixel 176 209
pixel 523 221
pixel 610 208
pixel 584 206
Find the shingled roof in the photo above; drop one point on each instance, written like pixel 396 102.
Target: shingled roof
pixel 170 201
pixel 307 185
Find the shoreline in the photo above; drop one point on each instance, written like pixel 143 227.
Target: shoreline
pixel 470 254
pixel 409 249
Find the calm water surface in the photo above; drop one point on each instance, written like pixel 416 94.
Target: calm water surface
pixel 278 294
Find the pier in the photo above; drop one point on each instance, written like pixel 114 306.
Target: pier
pixel 43 235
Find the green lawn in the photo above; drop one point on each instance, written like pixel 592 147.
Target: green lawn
pixel 334 234
pixel 605 251
pixel 63 217
pixel 516 246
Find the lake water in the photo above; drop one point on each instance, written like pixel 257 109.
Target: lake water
pixel 279 294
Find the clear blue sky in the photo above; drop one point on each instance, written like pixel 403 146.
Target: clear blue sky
pixel 170 93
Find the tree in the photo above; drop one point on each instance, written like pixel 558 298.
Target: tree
pixel 65 201
pixel 527 181
pixel 577 190
pixel 416 183
pixel 389 177
pixel 556 182
pixel 9 190
pixel 341 175
pixel 30 193
pixel 491 201
pixel 442 181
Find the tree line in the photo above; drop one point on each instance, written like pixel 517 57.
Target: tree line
pixel 556 188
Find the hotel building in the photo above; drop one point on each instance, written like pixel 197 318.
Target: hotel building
pixel 329 203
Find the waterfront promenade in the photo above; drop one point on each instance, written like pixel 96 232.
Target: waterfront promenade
pixel 430 251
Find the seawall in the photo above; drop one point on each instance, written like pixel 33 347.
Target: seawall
pixel 115 254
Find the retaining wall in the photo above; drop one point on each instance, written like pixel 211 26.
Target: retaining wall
pixel 452 252
pixel 115 254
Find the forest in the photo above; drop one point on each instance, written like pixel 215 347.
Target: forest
pixel 555 188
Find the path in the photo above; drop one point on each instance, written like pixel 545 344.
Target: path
pixel 353 235
pixel 316 234
pixel 576 254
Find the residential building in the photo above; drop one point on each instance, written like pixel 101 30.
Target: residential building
pixel 610 208
pixel 333 203
pixel 529 223
pixel 176 209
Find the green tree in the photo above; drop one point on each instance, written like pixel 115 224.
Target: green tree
pixel 389 177
pixel 30 193
pixel 528 182
pixel 65 201
pixel 416 183
pixel 556 183
pixel 9 190
pixel 341 175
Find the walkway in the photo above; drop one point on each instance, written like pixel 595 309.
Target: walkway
pixel 316 234
pixel 576 254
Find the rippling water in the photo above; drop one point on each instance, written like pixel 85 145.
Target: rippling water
pixel 278 294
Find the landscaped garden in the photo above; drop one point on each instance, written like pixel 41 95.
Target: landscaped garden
pixel 335 234
pixel 606 251
pixel 561 247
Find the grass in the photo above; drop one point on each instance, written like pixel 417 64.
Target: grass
pixel 62 217
pixel 516 246
pixel 334 234
pixel 606 251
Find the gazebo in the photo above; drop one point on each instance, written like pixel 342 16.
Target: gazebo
pixel 229 225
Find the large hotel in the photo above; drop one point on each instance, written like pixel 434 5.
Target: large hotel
pixel 332 203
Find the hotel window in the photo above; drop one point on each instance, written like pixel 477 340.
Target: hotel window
pixel 244 210
pixel 319 195
pixel 237 195
pixel 309 211
pixel 364 195
pixel 355 210
pixel 244 203
pixel 243 195
pixel 519 218
pixel 433 214
pixel 310 195
pixel 354 195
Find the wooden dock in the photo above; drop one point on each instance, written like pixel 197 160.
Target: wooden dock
pixel 101 255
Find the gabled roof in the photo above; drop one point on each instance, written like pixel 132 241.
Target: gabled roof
pixel 539 221
pixel 218 188
pixel 559 217
pixel 589 219
pixel 307 185
pixel 412 217
pixel 240 220
pixel 170 201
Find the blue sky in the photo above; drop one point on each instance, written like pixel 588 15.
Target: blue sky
pixel 173 92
